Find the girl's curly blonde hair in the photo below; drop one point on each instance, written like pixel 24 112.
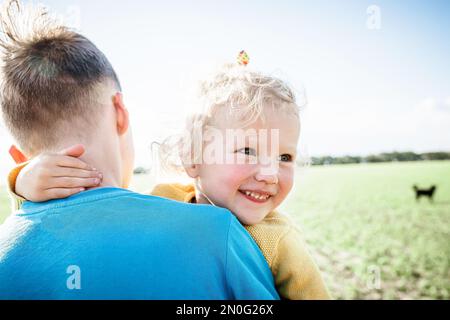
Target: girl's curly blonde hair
pixel 244 92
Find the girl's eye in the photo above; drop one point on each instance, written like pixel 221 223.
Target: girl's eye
pixel 285 158
pixel 247 151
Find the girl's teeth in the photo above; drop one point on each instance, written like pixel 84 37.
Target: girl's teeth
pixel 256 195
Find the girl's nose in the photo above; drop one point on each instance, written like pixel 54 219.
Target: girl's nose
pixel 268 175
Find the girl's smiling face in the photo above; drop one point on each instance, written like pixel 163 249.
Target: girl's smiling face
pixel 255 170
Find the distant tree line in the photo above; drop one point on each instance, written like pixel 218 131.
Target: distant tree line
pixel 382 157
pixel 140 170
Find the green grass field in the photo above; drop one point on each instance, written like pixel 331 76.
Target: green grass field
pixel 369 236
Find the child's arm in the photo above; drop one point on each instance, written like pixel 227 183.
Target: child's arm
pixel 296 275
pixel 52 176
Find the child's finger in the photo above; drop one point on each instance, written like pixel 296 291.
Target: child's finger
pixel 71 162
pixel 68 182
pixel 58 193
pixel 75 173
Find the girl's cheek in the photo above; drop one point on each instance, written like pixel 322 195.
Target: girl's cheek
pixel 287 179
pixel 236 174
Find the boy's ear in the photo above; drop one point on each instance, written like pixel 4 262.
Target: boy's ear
pixel 17 155
pixel 123 118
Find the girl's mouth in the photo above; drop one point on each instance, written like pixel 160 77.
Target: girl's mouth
pixel 255 196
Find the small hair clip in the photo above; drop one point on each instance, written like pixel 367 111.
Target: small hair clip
pixel 243 58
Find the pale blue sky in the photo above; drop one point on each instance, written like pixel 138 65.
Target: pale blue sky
pixel 368 90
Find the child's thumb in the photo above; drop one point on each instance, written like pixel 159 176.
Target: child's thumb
pixel 74 151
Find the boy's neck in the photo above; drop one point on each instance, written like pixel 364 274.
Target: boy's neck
pixel 110 172
pixel 107 161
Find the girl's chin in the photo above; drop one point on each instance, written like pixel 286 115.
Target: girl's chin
pixel 248 217
pixel 250 212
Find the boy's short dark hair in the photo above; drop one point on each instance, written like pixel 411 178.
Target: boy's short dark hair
pixel 50 76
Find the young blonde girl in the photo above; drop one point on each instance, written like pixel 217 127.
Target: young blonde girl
pixel 240 152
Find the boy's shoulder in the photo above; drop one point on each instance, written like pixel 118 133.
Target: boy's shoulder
pixel 125 204
pixel 115 212
pixel 158 205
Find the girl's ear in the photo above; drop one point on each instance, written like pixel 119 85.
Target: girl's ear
pixel 192 170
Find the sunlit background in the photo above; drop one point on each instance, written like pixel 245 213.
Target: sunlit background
pixel 377 79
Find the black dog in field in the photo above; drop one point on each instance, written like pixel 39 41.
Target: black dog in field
pixel 425 192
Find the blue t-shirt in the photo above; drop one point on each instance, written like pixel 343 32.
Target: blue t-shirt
pixel 111 243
